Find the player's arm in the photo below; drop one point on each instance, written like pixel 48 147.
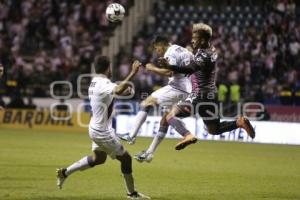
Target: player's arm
pixel 128 91
pixel 160 71
pixel 124 85
pixel 188 69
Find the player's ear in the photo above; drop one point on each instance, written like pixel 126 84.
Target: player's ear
pixel 202 41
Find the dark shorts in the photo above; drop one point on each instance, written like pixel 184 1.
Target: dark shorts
pixel 206 105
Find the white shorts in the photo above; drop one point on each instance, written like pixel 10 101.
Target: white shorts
pixel 107 142
pixel 168 95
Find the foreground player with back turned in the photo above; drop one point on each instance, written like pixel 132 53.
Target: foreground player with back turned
pixel 203 98
pixel 178 88
pixel 104 140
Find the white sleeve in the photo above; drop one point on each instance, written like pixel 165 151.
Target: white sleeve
pixel 186 59
pixel 171 57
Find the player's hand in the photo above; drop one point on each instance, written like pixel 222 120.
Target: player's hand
pixel 136 65
pixel 149 67
pixel 163 62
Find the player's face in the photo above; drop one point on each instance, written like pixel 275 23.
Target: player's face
pixel 159 49
pixel 195 40
pixel 1 70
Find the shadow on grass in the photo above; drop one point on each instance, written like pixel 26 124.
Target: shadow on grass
pixel 28 165
pixel 69 198
pixel 7 178
pixel 164 197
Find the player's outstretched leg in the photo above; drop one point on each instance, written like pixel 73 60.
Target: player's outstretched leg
pixel 126 168
pixel 216 127
pixel 139 120
pixel 179 126
pixel 87 162
pixel 148 154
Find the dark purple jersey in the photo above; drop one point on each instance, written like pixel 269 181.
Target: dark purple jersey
pixel 204 76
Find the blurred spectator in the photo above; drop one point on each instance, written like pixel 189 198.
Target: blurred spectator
pixel 16 102
pixel 30 104
pixel 2 103
pixel 222 93
pixel 62 106
pixel 1 70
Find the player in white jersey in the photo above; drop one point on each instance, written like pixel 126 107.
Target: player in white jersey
pixel 104 141
pixel 178 88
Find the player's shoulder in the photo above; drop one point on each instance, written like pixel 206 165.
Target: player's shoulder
pixel 101 81
pixel 210 54
pixel 176 50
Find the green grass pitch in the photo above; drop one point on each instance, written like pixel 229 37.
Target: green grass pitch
pixel 206 170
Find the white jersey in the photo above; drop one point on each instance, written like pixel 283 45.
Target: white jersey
pixel 179 56
pixel 101 100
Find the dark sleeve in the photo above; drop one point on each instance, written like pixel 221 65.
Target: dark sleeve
pixel 189 69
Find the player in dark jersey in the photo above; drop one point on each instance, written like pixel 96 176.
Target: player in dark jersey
pixel 203 98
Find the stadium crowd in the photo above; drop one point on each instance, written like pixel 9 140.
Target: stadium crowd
pixel 46 40
pixel 43 41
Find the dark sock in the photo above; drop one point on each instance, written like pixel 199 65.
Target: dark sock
pixel 227 126
pixel 64 172
pixel 178 125
pixel 90 161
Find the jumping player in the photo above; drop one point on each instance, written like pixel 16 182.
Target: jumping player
pixel 203 98
pixel 104 140
pixel 178 88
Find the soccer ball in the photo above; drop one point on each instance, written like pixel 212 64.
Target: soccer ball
pixel 115 12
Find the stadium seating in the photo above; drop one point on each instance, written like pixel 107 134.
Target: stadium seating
pixel 45 41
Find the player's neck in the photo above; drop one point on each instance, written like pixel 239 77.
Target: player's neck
pixel 104 75
pixel 205 45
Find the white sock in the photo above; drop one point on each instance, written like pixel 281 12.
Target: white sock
pixel 155 142
pixel 79 165
pixel 139 120
pixel 129 182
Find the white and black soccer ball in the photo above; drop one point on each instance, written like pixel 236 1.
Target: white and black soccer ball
pixel 115 12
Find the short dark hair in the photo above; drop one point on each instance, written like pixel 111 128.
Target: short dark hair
pixel 203 30
pixel 101 64
pixel 162 39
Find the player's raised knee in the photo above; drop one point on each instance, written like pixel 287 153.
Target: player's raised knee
pixel 98 160
pixel 150 101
